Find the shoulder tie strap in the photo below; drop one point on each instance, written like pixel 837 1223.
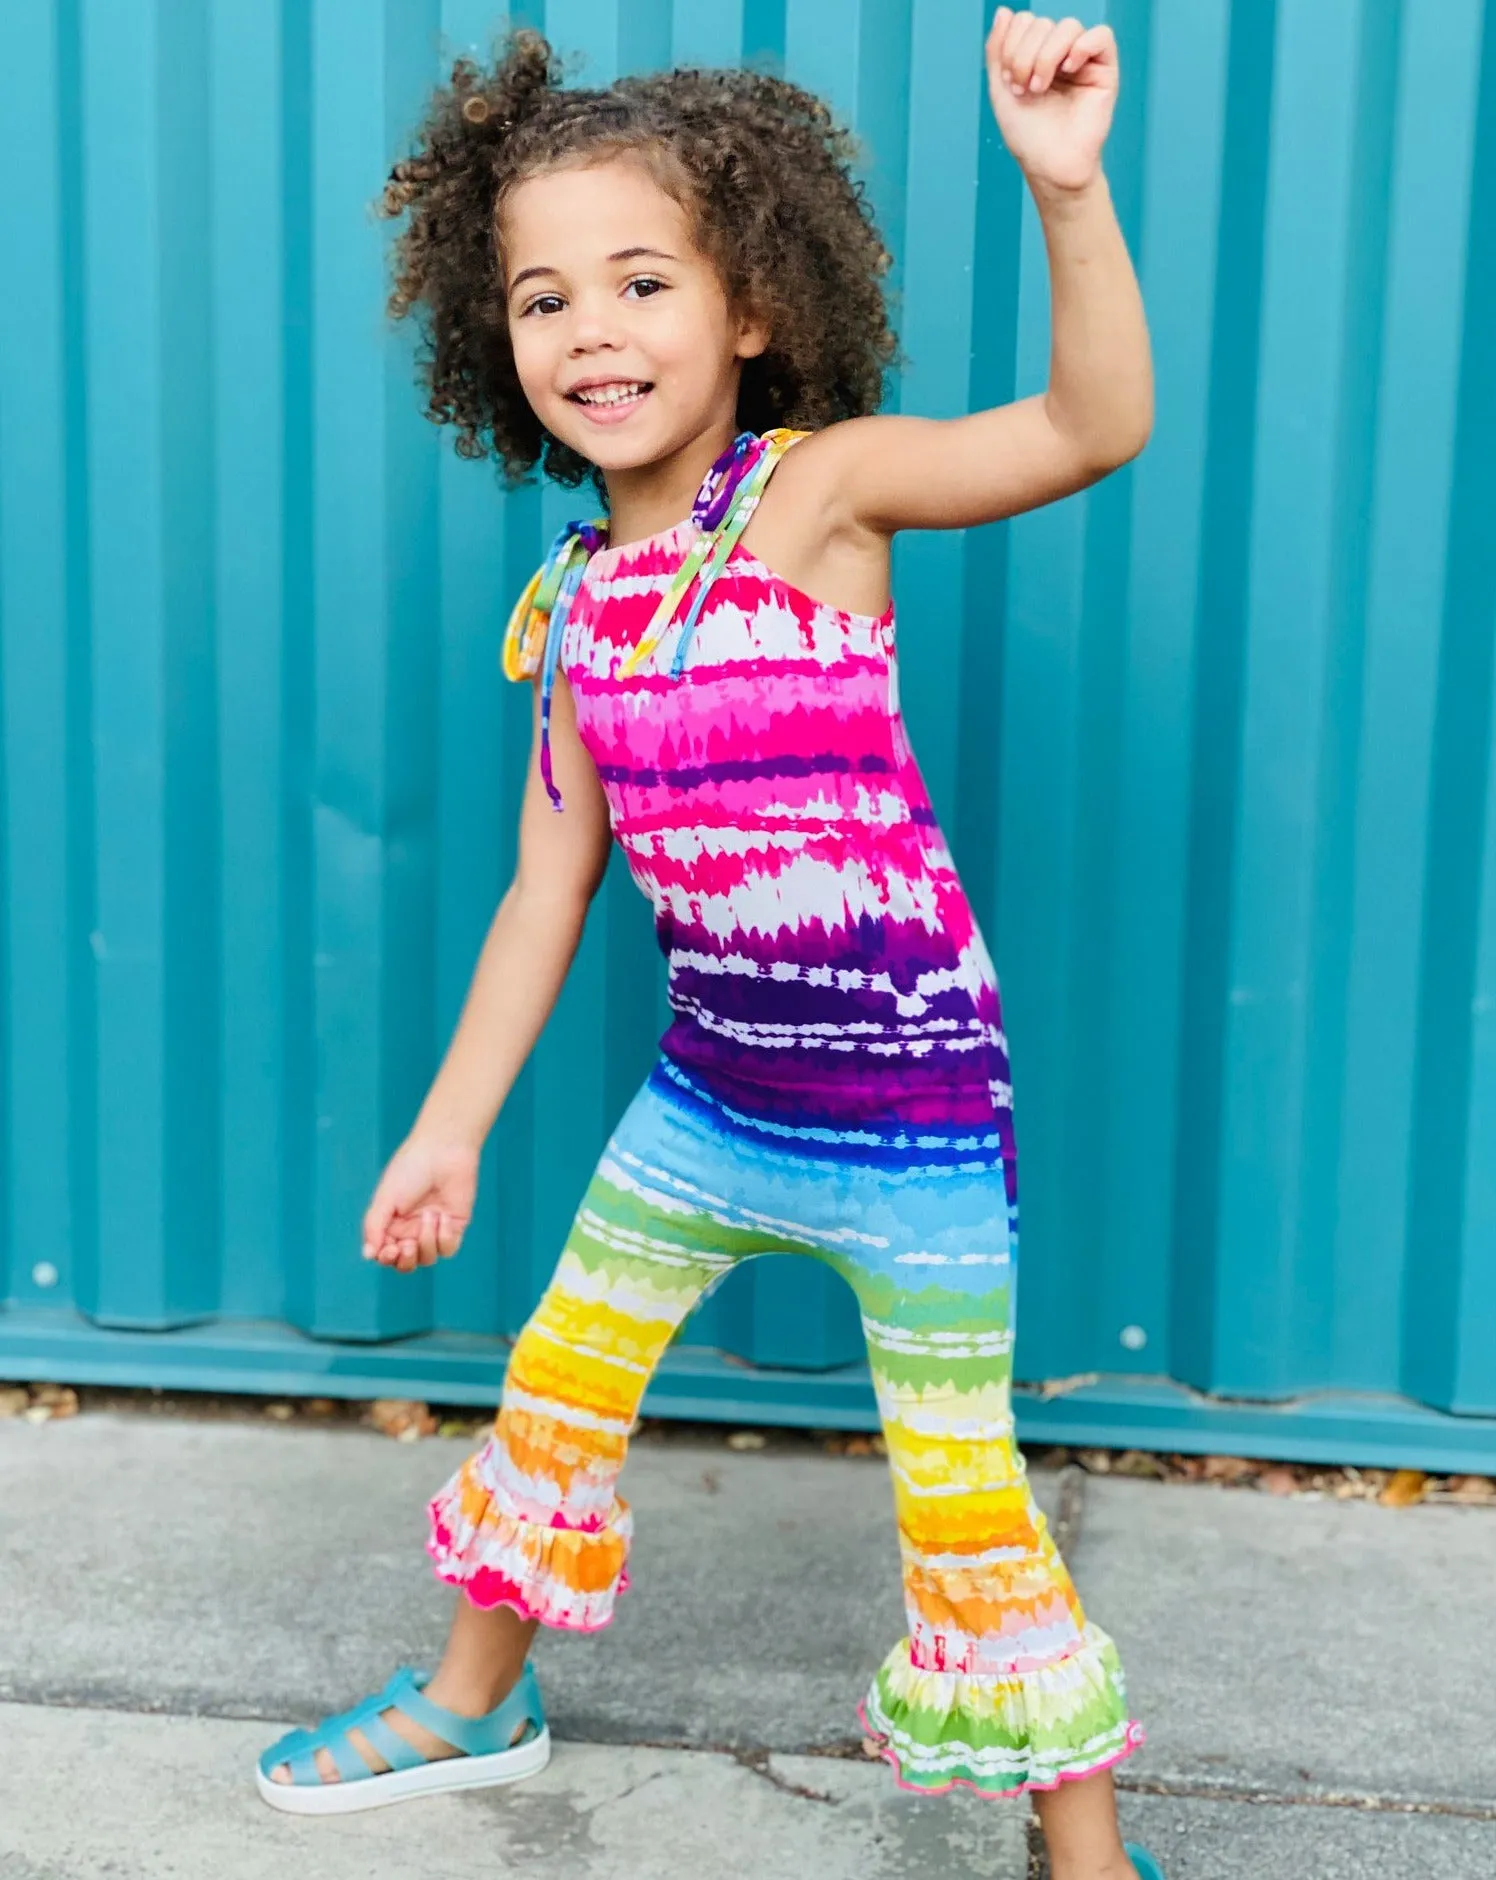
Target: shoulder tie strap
pixel 708 554
pixel 532 639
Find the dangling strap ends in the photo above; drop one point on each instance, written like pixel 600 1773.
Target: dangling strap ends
pixel 532 639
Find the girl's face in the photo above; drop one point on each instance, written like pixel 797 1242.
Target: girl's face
pixel 623 339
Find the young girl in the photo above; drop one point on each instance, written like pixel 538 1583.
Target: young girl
pixel 673 286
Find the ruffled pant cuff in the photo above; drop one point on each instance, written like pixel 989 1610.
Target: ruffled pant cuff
pixel 1002 1735
pixel 562 1576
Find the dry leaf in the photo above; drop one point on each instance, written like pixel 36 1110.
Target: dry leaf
pixel 394 1416
pixel 50 1402
pixel 453 1426
pixel 880 1445
pixel 1473 1491
pixel 1406 1489
pixel 1138 1463
pixel 1062 1386
pixel 279 1412
pixel 747 1439
pixel 1098 1461
pixel 1279 1481
pixel 1227 1468
pixel 60 1399
pixel 871 1749
pixel 13 1400
pixel 320 1406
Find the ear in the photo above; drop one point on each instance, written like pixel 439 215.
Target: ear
pixel 753 336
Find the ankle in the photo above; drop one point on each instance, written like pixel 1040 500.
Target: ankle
pixel 472 1691
pixel 1119 1867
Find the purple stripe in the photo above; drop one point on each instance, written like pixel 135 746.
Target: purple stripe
pixel 745 770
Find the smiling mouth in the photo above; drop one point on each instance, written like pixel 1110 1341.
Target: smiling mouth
pixel 613 399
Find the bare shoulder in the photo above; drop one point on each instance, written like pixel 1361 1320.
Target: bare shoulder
pixel 804 531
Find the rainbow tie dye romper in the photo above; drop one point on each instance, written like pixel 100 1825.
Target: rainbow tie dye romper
pixel 834 1082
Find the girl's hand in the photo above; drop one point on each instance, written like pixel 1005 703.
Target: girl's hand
pixel 1053 88
pixel 422 1204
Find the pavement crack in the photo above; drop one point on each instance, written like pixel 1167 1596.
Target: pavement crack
pixel 612 1801
pixel 1183 1789
pixel 757 1762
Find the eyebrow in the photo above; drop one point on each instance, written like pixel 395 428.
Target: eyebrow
pixel 622 254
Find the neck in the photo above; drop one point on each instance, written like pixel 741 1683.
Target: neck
pixel 655 496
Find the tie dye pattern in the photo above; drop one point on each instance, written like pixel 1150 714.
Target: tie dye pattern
pixel 834 1082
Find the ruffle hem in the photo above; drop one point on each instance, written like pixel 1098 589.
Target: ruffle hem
pixel 562 1576
pixel 1001 1735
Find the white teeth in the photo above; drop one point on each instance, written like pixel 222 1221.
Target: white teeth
pixel 609 394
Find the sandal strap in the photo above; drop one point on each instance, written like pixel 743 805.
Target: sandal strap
pixel 332 1735
pixel 351 1766
pixel 302 1764
pixel 396 1750
pixel 473 1736
pixel 478 1736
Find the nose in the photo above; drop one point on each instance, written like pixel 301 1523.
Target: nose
pixel 595 324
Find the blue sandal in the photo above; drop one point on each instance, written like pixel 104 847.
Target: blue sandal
pixel 1148 1868
pixel 509 1743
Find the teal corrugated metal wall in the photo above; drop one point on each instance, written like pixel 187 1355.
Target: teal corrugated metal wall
pixel 1212 743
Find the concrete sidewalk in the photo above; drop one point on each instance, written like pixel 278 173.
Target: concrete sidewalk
pixel 1318 1679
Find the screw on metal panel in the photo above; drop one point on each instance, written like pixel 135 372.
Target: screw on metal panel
pixel 44 1274
pixel 1134 1337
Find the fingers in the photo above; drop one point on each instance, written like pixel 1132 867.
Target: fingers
pixel 1054 52
pixel 377 1219
pixel 1032 50
pixel 1095 48
pixel 412 1240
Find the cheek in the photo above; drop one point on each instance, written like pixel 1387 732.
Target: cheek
pixel 533 357
pixel 689 341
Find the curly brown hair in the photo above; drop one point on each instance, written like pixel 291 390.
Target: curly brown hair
pixel 758 164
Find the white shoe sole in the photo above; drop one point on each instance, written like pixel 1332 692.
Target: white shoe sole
pixel 432 1778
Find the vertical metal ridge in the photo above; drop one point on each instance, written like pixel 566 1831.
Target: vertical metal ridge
pixel 249 265
pixel 293 1025
pixel 1329 1267
pixel 1454 888
pixel 1302 374
pixel 1408 529
pixel 129 538
pixel 1216 706
pixel 82 1208
pixel 191 914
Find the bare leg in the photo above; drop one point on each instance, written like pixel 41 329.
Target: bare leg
pixel 1079 1820
pixel 486 1651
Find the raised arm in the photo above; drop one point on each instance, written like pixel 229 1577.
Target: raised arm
pixel 1053 88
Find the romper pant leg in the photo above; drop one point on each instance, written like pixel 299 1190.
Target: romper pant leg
pixel 533 1519
pixel 1001 1684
